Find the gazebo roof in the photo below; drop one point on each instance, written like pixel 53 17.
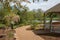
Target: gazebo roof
pixel 55 8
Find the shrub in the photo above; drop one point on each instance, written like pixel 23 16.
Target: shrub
pixel 2 26
pixel 34 24
pixel 11 19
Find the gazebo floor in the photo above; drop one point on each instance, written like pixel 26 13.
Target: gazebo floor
pixel 43 32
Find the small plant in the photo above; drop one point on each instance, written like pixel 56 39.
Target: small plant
pixel 34 24
pixel 10 35
pixel 2 26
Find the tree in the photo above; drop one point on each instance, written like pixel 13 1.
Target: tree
pixel 7 12
pixel 38 0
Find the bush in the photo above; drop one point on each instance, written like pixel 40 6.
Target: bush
pixel 2 26
pixel 11 19
pixel 34 24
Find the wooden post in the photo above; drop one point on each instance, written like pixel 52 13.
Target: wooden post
pixel 44 20
pixel 50 22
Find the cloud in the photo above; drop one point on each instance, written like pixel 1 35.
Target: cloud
pixel 41 5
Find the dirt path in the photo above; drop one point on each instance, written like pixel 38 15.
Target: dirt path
pixel 23 34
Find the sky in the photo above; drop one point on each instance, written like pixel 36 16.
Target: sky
pixel 44 5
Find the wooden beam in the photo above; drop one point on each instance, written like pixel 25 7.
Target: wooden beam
pixel 53 12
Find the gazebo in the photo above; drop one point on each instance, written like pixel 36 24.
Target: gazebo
pixel 54 10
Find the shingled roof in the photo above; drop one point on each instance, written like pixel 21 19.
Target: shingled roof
pixel 55 8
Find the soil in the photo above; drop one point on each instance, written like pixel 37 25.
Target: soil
pixel 23 34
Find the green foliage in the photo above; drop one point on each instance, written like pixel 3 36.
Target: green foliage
pixel 34 24
pixel 10 35
pixel 7 14
pixel 54 15
pixel 11 18
pixel 2 25
pixel 15 15
pixel 26 17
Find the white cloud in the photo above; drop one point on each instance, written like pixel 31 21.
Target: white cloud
pixel 42 5
pixel 23 3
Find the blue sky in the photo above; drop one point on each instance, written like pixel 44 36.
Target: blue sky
pixel 41 5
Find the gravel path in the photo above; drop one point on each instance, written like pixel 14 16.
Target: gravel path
pixel 23 34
